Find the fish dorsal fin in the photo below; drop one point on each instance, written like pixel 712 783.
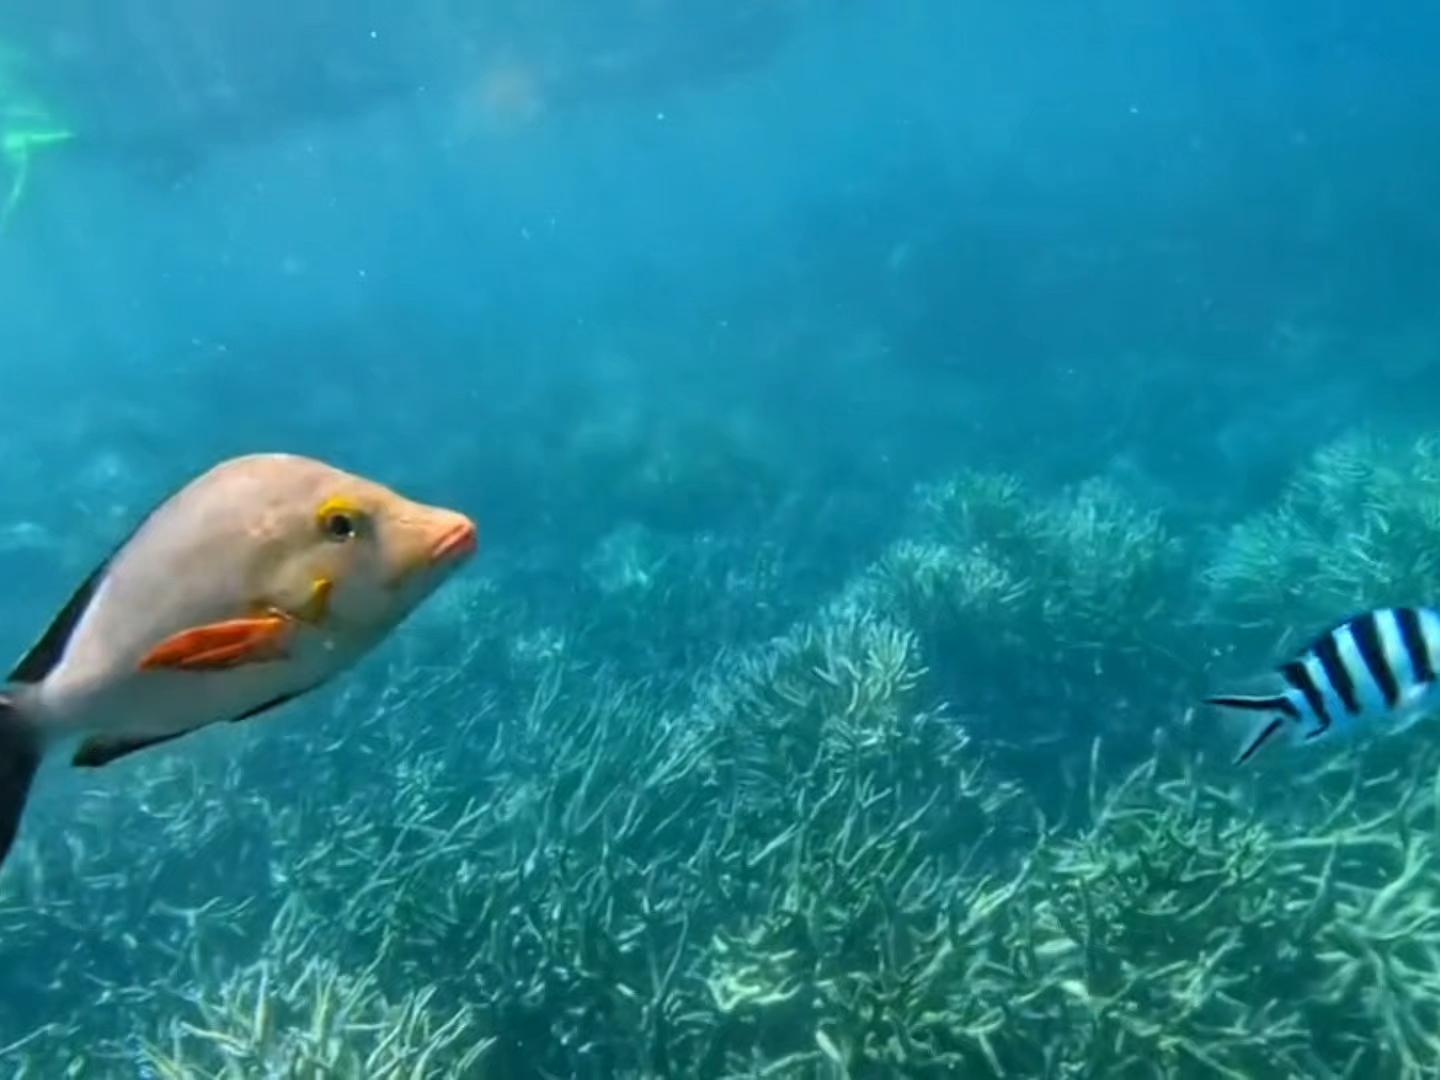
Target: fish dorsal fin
pixel 46 653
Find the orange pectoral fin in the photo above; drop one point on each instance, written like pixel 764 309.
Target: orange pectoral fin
pixel 221 645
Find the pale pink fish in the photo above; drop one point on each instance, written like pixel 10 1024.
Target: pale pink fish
pixel 255 583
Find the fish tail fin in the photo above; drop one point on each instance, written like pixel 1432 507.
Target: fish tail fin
pixel 1266 703
pixel 21 750
pixel 1251 702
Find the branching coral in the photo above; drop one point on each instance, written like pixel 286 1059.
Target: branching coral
pixel 1148 926
pixel 1073 611
pixel 1187 929
pixel 856 812
pixel 859 956
pixel 1183 934
pixel 976 507
pixel 842 685
pixel 1086 571
pixel 799 863
pixel 319 1024
pixel 699 588
pixel 1357 527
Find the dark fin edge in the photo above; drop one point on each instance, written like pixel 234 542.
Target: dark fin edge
pixel 1265 703
pixel 1272 703
pixel 20 754
pixel 100 750
pixel 1261 737
pixel 42 657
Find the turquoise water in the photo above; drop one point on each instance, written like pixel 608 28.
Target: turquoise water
pixel 884 423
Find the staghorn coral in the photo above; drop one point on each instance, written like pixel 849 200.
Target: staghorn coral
pixel 857 958
pixel 938 585
pixel 1146 930
pixel 1086 572
pixel 319 1024
pixel 1185 933
pixel 561 908
pixel 975 506
pixel 842 685
pixel 799 864
pixel 700 589
pixel 1357 527
pixel 841 700
pixel 857 812
pixel 1073 611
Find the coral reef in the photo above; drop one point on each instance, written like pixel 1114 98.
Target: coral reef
pixel 1355 528
pixel 322 1024
pixel 1073 610
pixel 637 579
pixel 1088 576
pixel 925 830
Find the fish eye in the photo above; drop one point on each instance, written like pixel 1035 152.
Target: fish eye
pixel 339 525
pixel 339 520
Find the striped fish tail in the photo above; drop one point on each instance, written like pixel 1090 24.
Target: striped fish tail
pixel 1278 704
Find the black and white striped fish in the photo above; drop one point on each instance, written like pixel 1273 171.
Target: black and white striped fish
pixel 1377 670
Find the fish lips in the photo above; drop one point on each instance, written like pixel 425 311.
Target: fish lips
pixel 455 544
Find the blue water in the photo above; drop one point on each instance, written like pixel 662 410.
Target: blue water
pixel 682 302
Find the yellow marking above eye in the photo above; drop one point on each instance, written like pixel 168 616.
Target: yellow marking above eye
pixel 339 519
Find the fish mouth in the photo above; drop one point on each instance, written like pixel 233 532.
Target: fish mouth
pixel 455 543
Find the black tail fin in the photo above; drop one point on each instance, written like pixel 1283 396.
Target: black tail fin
pixel 20 753
pixel 1273 703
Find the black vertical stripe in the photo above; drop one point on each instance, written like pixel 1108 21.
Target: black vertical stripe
pixel 1412 633
pixel 1367 638
pixel 1337 673
pixel 1298 676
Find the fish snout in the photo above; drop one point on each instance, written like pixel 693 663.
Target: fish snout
pixel 453 539
pixel 426 544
